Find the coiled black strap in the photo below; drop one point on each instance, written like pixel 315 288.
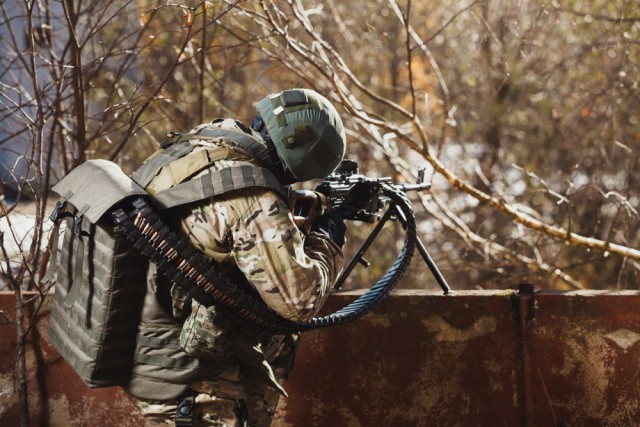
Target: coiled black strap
pixel 191 270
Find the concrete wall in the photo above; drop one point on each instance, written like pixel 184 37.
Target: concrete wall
pixel 473 358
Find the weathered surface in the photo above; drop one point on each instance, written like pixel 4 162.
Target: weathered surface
pixel 587 360
pixel 57 396
pixel 421 359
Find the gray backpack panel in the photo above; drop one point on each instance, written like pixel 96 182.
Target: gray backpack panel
pixel 100 278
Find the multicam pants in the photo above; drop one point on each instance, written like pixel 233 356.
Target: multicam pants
pixel 209 411
pixel 258 408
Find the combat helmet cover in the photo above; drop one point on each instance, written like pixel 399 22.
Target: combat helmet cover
pixel 306 130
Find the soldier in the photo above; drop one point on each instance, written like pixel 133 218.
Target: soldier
pixel 193 366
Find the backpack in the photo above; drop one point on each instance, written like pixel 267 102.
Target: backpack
pixel 100 275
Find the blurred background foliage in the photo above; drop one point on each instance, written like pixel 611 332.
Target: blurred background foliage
pixel 533 104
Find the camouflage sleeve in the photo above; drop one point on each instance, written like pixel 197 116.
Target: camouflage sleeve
pixel 292 274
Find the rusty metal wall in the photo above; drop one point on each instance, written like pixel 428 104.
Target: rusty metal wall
pixel 418 360
pixel 57 396
pixel 472 358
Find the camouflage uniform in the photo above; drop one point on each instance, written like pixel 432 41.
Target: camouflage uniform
pixel 251 237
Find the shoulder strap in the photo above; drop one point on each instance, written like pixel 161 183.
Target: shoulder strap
pixel 151 167
pixel 241 140
pixel 215 182
pixel 178 149
pixel 218 182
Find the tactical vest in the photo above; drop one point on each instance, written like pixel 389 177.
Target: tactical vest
pixel 106 324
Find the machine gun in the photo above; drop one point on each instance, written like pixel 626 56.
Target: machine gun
pixel 361 198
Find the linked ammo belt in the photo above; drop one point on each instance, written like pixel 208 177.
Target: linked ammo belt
pixel 192 271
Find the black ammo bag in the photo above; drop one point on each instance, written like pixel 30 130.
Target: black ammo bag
pixel 101 277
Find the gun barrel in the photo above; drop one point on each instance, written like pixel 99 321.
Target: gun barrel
pixel 413 187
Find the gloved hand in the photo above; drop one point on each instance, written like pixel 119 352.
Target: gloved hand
pixel 332 225
pixel 305 206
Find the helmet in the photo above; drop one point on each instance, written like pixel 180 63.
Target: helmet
pixel 306 130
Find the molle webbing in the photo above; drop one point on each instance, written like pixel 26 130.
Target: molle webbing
pixel 241 140
pixel 145 174
pixel 191 270
pixel 97 301
pixel 100 276
pixel 150 168
pixel 217 182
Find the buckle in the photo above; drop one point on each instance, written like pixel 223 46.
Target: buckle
pixel 55 213
pixel 185 412
pixel 170 139
pixel 77 225
pixel 173 137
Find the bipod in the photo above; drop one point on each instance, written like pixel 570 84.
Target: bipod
pixel 357 258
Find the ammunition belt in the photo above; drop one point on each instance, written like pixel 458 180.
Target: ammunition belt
pixel 191 270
